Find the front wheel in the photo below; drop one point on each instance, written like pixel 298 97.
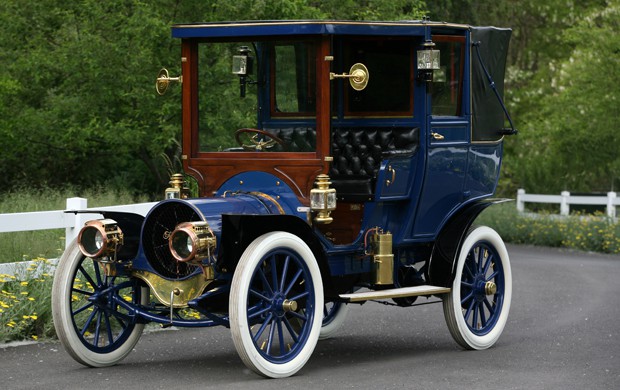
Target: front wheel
pixel 94 329
pixel 276 305
pixel 476 310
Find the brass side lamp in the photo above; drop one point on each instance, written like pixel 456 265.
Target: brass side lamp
pixel 323 200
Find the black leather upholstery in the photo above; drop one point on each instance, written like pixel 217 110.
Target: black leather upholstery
pixel 358 152
pixel 296 139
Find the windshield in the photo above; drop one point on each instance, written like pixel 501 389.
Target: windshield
pixel 257 96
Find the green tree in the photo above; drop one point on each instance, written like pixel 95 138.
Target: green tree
pixel 77 103
pixel 573 131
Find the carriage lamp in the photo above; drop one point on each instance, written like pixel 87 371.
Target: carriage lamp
pixel 242 67
pixel 177 189
pixel 323 199
pixel 428 61
pixel 192 241
pixel 100 238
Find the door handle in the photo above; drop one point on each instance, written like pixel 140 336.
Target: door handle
pixel 437 136
pixel 391 170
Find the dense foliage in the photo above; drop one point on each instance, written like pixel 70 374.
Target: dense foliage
pixel 77 101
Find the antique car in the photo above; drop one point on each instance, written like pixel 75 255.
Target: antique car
pixel 337 162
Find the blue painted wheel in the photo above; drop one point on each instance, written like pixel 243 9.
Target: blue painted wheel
pixel 92 327
pixel 476 310
pixel 276 305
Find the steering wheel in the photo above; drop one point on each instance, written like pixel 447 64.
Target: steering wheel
pixel 256 143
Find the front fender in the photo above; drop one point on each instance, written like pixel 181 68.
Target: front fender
pixel 129 223
pixel 238 231
pixel 445 252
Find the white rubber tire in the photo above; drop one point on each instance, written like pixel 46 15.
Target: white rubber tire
pixel 238 310
pixel 63 320
pixel 453 310
pixel 330 328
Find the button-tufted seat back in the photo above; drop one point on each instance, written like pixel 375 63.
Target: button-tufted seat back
pixel 358 153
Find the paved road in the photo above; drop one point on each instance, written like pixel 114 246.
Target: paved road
pixel 563 333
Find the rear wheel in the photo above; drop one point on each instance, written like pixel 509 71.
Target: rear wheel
pixel 476 310
pixel 92 327
pixel 276 305
pixel 334 314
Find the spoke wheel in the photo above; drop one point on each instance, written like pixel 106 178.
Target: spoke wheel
pixel 334 314
pixel 477 308
pixel 276 305
pixel 92 327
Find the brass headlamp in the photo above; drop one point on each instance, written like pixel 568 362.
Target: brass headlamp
pixel 99 238
pixel 192 242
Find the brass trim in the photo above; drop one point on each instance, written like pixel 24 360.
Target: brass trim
pixel 164 289
pixel 269 198
pixel 358 76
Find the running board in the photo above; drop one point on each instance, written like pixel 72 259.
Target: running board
pixel 394 293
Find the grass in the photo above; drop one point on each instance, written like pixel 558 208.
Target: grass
pixel 25 311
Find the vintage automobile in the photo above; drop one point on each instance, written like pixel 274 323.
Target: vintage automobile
pixel 338 162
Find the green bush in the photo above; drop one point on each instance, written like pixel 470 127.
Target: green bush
pixel 596 233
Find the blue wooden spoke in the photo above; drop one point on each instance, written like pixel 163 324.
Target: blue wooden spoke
pixel 290 329
pixel 293 281
pixel 262 328
pixel 284 271
pixel 81 309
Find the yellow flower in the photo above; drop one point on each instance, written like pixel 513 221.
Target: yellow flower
pixel 31 299
pixel 35 337
pixel 23 283
pixel 24 293
pixel 34 317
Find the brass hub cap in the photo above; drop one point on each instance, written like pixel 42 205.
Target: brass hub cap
pixel 289 305
pixel 490 288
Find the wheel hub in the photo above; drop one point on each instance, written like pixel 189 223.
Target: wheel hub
pixel 490 288
pixel 281 305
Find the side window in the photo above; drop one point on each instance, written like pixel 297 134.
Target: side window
pixel 293 78
pixel 447 87
pixel 389 91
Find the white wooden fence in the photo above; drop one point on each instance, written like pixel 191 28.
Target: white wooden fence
pixel 59 219
pixel 565 200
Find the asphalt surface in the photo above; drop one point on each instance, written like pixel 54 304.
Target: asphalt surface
pixel 563 333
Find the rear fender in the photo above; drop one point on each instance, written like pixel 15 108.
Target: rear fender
pixel 441 269
pixel 238 231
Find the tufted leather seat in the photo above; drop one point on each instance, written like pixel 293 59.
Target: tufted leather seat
pixel 358 153
pixel 296 139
